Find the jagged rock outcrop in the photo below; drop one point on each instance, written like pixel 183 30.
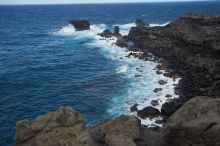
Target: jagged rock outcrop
pixel 61 128
pixel 124 130
pixel 196 123
pixel 65 127
pixel 80 25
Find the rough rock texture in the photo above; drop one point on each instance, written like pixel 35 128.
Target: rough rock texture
pixel 196 123
pixel 121 131
pixel 191 45
pixel 190 48
pixel 65 127
pixel 116 31
pixel 80 25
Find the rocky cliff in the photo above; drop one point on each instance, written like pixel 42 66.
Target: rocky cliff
pixel 197 123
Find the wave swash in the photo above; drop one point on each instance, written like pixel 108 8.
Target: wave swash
pixel 139 90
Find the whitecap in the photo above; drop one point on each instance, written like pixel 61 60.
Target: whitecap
pixel 122 69
pixel 156 24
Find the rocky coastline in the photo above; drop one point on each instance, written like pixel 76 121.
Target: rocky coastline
pixel 188 48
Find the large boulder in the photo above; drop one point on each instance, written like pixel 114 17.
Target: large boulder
pixel 122 131
pixel 80 25
pixel 196 123
pixel 64 127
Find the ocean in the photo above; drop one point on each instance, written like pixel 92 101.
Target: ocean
pixel 45 63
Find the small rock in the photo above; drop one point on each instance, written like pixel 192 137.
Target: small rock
pixel 156 90
pixel 168 96
pixel 162 82
pixel 159 72
pixel 136 76
pixel 168 74
pixel 134 108
pixel 154 102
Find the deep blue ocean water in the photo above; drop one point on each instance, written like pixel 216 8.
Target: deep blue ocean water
pixel 44 65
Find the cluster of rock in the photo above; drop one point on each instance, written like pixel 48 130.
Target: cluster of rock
pixel 196 123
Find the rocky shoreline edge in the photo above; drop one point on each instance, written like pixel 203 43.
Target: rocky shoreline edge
pixel 189 48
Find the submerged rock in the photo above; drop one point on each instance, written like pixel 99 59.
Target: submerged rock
pixel 162 82
pixel 156 90
pixel 80 25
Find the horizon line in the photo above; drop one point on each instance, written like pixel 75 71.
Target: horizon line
pixel 168 1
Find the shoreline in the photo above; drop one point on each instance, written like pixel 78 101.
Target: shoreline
pixel 191 119
pixel 157 120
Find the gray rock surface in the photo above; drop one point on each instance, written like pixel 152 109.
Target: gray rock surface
pixel 196 123
pixel 65 127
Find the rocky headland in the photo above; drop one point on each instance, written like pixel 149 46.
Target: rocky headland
pixel 188 48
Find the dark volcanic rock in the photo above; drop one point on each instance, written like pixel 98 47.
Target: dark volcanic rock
pixel 140 23
pixel 168 96
pixel 148 112
pixel 162 82
pixel 116 31
pixel 80 25
pixel 106 33
pixel 170 107
pixel 190 47
pixel 154 102
pixel 134 108
pixel 156 90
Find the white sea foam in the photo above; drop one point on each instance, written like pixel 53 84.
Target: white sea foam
pixel 138 89
pixel 156 24
pixel 122 69
pixel 124 29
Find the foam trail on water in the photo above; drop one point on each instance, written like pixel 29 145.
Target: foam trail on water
pixel 141 76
